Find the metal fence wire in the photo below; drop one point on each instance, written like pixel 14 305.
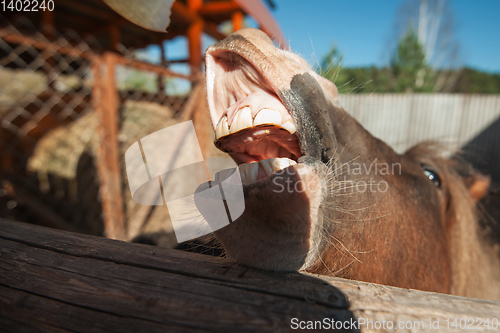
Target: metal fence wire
pixel 68 112
pixel 47 130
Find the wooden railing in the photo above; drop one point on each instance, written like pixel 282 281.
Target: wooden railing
pixel 52 280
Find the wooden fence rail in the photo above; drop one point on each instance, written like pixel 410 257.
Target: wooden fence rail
pixel 52 280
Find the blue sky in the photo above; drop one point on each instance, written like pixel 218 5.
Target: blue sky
pixel 363 30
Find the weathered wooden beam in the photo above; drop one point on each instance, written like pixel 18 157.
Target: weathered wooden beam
pixel 48 28
pixel 190 16
pixel 57 280
pixel 194 43
pixel 49 46
pixel 177 61
pixel 114 37
pixel 147 67
pixel 218 8
pixel 201 116
pixel 194 33
pixel 212 30
pixel 183 13
pixel 106 102
pixel 195 99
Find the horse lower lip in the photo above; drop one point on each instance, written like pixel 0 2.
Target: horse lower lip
pixel 277 220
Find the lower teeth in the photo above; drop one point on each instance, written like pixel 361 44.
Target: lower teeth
pixel 251 172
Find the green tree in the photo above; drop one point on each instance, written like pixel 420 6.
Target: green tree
pixel 331 64
pixel 471 81
pixel 354 80
pixel 409 71
pixel 409 65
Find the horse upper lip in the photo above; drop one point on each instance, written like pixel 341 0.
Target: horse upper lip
pixel 241 102
pixel 233 83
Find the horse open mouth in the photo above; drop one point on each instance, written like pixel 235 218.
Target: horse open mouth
pixel 250 121
pixel 263 116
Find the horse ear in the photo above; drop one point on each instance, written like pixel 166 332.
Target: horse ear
pixel 478 185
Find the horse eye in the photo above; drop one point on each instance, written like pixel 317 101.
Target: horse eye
pixel 432 175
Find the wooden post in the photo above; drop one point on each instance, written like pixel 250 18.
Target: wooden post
pixel 194 37
pixel 237 19
pixel 48 31
pixel 106 103
pixel 114 37
pixel 201 119
pixel 196 109
pixel 48 24
pixel 199 115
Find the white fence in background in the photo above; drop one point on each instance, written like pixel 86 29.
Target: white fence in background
pixel 403 120
pixel 467 122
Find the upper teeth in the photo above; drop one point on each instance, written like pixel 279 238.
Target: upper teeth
pixel 243 119
pixel 266 116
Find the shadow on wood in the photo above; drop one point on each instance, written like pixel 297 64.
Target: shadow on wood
pixel 56 280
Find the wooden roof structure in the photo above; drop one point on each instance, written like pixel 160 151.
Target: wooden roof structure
pixel 190 18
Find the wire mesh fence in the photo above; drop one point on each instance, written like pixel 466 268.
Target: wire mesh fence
pixel 47 129
pixel 68 112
